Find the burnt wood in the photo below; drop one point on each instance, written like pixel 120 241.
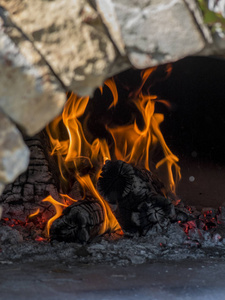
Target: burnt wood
pixel 25 194
pixel 136 195
pixel 80 222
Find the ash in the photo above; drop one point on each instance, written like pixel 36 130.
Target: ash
pixel 172 244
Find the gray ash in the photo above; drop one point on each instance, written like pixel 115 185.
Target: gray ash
pixel 172 244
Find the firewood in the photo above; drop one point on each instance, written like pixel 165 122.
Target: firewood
pixel 157 210
pixel 137 195
pixel 80 222
pixel 25 194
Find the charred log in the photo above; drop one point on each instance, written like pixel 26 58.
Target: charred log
pixel 157 211
pixel 137 196
pixel 80 222
pixel 24 196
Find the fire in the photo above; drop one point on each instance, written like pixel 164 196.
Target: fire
pixel 132 143
pixel 110 222
pixel 75 150
pixel 34 214
pixel 58 207
pixel 112 86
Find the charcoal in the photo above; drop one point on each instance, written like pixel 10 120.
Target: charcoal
pixel 25 195
pixel 80 222
pixel 159 211
pixel 137 193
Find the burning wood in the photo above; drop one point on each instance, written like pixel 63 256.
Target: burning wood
pixel 24 196
pixel 80 222
pixel 137 194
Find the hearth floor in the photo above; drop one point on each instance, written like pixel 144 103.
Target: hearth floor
pixel 185 279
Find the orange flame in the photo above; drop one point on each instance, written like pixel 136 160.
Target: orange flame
pixel 58 207
pixel 112 86
pixel 34 214
pixel 110 222
pixel 72 150
pixel 75 147
pixel 132 144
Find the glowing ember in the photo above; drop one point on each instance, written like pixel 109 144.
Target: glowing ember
pixel 40 239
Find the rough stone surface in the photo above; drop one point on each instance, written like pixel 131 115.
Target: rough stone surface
pixel 156 32
pixel 71 38
pixel 109 18
pixel 197 15
pixel 84 42
pixel 30 93
pixel 14 154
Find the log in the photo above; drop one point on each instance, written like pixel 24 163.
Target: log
pixel 157 211
pixel 80 222
pixel 25 194
pixel 136 195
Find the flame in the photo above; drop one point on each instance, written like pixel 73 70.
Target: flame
pixel 112 86
pixel 73 151
pixel 110 222
pixel 34 214
pixel 59 209
pixel 132 143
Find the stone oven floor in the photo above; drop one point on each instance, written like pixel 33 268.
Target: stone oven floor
pixel 186 279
